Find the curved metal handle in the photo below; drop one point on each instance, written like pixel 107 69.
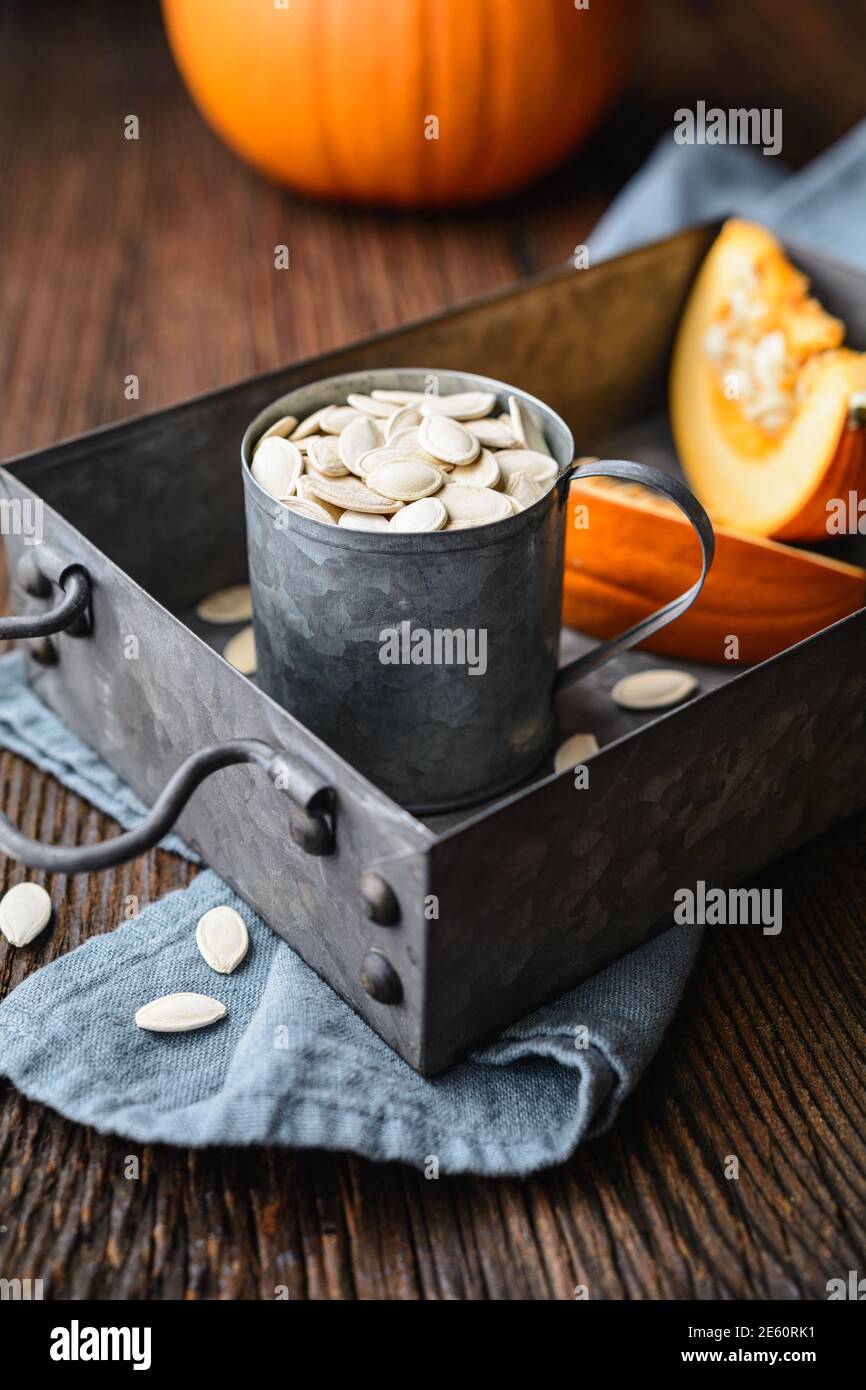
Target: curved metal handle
pixel 311 823
pixel 692 510
pixel 69 615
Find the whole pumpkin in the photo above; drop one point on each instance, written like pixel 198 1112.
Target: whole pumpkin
pixel 406 102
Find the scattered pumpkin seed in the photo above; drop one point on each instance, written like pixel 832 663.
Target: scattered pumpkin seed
pixel 222 937
pixel 657 689
pixel 240 651
pixel 179 1013
pixel 231 605
pixel 575 750
pixel 25 911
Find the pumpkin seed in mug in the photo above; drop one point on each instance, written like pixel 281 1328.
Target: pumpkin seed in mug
pixel 378 462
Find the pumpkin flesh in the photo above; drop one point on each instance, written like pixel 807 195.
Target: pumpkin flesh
pixel 638 552
pixel 761 392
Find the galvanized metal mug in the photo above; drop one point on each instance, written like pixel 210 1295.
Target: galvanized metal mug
pixel 429 661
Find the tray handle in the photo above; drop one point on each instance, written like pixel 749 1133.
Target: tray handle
pixel 70 614
pixel 692 510
pixel 311 823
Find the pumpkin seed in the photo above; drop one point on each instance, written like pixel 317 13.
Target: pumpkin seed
pixel 337 417
pixel 222 937
pixel 492 434
pixel 281 429
pixel 656 689
pixel 358 439
pixel 369 406
pixel 525 429
pixel 240 651
pixel 310 507
pixel 352 495
pixel 311 425
pixel 404 418
pixel 484 472
pixel 392 453
pixel 401 397
pixel 461 405
pixel 406 480
pixel 428 514
pixel 179 1013
pixel 524 489
pixel 473 506
pixel 575 750
pixel 277 466
pixel 540 467
pixel 232 605
pixel 448 440
pixel 364 521
pixel 324 455
pixel 314 506
pixel 25 911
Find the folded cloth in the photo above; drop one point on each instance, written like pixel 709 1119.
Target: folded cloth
pixel 291 1063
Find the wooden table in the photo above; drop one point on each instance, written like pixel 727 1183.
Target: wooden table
pixel 156 258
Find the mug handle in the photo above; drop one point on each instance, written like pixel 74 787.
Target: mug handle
pixel 694 513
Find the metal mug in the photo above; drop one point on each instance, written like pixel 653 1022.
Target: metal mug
pixel 340 617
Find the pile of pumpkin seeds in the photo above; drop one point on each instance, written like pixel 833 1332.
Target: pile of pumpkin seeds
pixel 407 461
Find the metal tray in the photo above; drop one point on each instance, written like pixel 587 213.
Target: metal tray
pixel 486 914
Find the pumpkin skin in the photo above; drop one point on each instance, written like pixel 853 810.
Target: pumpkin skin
pixel 774 482
pixel 331 96
pixel 638 552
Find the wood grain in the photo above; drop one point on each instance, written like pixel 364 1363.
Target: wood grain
pixel 156 258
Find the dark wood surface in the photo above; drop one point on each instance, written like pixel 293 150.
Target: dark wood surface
pixel 156 258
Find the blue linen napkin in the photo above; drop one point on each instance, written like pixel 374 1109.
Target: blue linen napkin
pixel 292 1064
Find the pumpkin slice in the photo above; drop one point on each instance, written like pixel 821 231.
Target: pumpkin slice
pixel 637 552
pixel 761 392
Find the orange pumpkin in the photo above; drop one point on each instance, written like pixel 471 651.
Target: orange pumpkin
pixel 764 397
pixel 636 552
pixel 407 102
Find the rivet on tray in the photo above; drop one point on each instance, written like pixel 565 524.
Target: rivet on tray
pixel 42 650
pixel 377 900
pixel 380 979
pixel 31 579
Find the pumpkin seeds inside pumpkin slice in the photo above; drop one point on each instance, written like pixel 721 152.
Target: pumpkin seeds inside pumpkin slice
pixel 656 689
pixel 179 1013
pixel 25 911
pixel 222 937
pixel 231 605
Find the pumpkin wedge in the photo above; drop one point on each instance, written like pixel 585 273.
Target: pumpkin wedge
pixel 627 552
pixel 763 395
